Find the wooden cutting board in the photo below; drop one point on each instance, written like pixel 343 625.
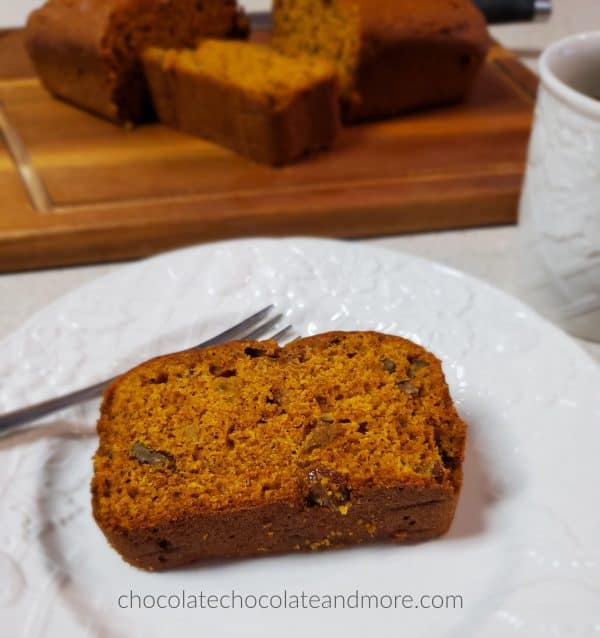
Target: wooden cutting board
pixel 75 189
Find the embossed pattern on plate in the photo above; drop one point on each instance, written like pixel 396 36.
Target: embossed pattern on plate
pixel 523 551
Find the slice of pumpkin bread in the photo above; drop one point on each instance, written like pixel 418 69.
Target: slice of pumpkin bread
pixel 249 448
pixel 247 97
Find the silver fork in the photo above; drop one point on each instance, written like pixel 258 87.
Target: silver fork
pixel 250 328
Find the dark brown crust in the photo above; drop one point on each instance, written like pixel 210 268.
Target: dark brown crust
pixel 390 21
pixel 68 44
pixel 219 112
pixel 414 54
pixel 401 513
pixel 413 74
pixel 65 46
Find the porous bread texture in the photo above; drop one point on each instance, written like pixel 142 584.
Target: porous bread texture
pixel 247 97
pixel 392 55
pixel 330 30
pixel 88 53
pixel 251 448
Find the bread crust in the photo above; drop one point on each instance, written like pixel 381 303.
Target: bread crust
pixel 413 74
pixel 399 510
pixel 401 515
pixel 415 54
pixel 386 22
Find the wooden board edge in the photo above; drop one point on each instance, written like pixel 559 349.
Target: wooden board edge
pixel 66 246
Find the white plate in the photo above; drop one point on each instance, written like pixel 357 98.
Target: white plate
pixel 524 549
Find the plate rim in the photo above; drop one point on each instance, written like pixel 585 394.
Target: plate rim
pixel 450 270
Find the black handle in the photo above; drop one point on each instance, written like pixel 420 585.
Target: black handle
pixel 503 11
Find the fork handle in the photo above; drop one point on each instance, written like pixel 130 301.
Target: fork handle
pixel 44 408
pixel 31 413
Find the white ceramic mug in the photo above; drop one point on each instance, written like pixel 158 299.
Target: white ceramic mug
pixel 560 204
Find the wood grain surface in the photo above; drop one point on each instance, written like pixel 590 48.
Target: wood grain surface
pixel 76 189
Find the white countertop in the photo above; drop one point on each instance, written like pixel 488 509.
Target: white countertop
pixel 489 254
